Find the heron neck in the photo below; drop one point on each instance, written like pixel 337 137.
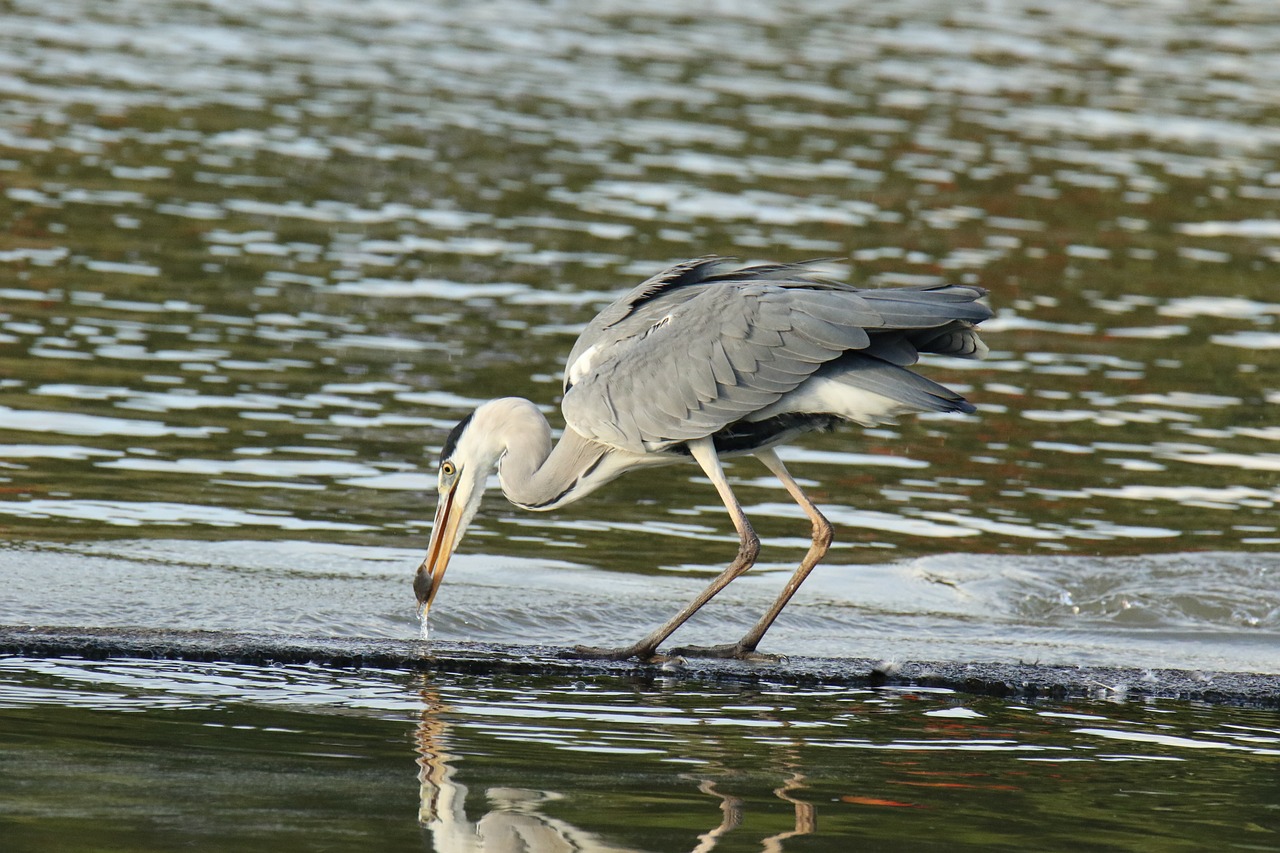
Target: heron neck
pixel 535 475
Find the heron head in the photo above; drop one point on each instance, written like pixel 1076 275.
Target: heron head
pixel 469 455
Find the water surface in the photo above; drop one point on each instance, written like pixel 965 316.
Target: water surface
pixel 257 258
pixel 160 755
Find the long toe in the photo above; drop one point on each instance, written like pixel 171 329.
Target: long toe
pixel 623 653
pixel 731 651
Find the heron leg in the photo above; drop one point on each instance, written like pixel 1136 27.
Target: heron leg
pixel 703 451
pixel 822 534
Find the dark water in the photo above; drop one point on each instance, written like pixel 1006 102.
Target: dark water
pixel 148 756
pixel 257 257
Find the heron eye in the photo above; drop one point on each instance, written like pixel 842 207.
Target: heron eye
pixel 447 469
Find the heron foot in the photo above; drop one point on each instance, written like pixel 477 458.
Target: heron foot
pixel 734 651
pixel 624 653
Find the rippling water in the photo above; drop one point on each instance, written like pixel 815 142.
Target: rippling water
pixel 258 257
pixel 148 755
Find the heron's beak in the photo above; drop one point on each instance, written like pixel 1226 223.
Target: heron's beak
pixel 444 533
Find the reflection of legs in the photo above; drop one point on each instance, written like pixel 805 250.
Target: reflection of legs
pixel 748 548
pixel 730 805
pixel 806 818
pixel 745 648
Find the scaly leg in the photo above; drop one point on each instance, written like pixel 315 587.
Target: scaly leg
pixel 704 453
pixel 746 647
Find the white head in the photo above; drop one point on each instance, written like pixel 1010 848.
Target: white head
pixel 470 453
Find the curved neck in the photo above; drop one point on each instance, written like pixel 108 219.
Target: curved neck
pixel 533 474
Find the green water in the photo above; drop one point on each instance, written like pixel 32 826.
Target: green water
pixel 255 263
pixel 256 260
pixel 257 257
pixel 163 756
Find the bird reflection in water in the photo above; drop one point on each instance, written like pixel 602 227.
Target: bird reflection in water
pixel 514 821
pixel 732 808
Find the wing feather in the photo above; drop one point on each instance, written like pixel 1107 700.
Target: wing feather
pixel 721 367
pixel 702 346
pixel 829 334
pixel 702 380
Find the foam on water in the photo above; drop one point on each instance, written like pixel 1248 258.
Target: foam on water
pixel 1213 612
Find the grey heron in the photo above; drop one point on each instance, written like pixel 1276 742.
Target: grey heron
pixel 705 360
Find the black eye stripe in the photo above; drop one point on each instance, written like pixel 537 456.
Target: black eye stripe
pixel 451 440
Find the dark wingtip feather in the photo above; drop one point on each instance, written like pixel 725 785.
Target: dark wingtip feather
pixel 683 274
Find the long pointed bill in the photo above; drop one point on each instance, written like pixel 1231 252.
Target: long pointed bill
pixel 444 531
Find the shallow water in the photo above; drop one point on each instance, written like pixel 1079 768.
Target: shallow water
pixel 258 257
pixel 1187 611
pixel 151 755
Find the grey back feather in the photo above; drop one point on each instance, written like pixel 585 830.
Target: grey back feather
pixel 705 343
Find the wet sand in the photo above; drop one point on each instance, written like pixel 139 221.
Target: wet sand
pixel 1021 680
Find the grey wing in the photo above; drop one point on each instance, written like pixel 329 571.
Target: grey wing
pixel 685 363
pixel 682 368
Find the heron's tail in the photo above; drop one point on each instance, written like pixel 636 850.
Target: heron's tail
pixel 908 392
pixel 958 338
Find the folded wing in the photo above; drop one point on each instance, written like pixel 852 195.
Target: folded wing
pixel 704 345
